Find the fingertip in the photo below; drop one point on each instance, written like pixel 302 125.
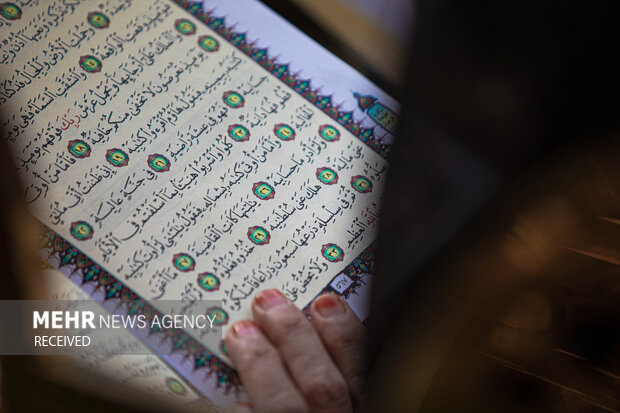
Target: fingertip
pixel 238 337
pixel 268 299
pixel 241 329
pixel 260 368
pixel 328 305
pixel 241 407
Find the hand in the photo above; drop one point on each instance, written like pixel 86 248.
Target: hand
pixel 290 364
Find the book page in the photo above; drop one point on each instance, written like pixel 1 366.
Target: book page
pixel 146 374
pixel 318 70
pixel 177 162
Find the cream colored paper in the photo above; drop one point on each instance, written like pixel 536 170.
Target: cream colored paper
pixel 159 92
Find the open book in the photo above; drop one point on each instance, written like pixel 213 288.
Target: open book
pixel 170 154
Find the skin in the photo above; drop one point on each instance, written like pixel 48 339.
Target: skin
pixel 290 364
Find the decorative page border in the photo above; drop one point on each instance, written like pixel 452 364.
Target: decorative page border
pixel 282 72
pixel 111 287
pixel 94 275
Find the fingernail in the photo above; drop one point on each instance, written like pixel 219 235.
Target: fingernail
pixel 328 305
pixel 269 299
pixel 241 407
pixel 244 328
